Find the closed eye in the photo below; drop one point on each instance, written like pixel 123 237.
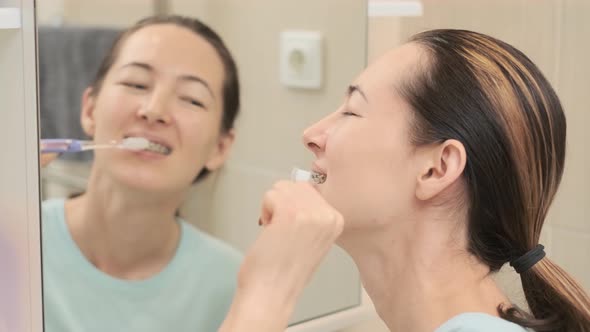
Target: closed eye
pixel 136 86
pixel 193 102
pixel 348 113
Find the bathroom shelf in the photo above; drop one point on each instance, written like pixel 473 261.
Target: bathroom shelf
pixel 10 18
pixel 386 8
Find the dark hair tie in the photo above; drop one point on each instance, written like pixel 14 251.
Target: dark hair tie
pixel 526 261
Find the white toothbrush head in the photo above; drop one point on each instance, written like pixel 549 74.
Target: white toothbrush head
pixel 300 175
pixel 134 143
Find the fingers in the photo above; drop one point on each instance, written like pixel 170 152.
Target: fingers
pixel 299 203
pixel 46 158
pixel 269 202
pixel 300 229
pixel 283 199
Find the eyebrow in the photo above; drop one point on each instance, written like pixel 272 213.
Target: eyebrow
pixel 190 78
pixel 352 88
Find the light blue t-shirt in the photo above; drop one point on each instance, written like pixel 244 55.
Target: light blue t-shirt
pixel 193 293
pixel 479 322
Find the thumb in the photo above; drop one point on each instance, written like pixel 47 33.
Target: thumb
pixel 46 158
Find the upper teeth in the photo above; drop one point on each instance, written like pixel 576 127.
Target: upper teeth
pixel 159 148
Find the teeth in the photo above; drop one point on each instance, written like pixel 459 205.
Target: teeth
pixel 318 177
pixel 158 148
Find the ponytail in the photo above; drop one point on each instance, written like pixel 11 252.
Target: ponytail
pixel 492 98
pixel 556 301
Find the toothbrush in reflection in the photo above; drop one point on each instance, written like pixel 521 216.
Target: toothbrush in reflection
pixel 63 145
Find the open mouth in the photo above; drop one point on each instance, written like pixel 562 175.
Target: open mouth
pixel 157 147
pixel 318 178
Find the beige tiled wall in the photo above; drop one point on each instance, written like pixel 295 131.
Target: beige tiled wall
pixel 570 217
pixel 554 34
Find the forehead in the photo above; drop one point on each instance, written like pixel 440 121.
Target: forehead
pixel 383 79
pixel 171 48
pixel 393 68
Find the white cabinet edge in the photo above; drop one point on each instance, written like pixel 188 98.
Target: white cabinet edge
pixel 395 8
pixel 10 18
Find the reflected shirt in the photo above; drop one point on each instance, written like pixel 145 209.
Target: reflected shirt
pixel 193 293
pixel 479 322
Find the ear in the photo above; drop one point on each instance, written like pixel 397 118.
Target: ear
pixel 221 152
pixel 87 115
pixel 444 164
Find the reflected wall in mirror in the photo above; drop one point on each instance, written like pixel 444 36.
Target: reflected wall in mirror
pixel 115 257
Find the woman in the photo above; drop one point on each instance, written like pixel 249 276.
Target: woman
pixel 439 168
pixel 117 258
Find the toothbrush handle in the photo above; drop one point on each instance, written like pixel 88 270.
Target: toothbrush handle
pixel 61 145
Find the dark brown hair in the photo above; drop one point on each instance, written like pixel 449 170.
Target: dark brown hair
pixel 231 86
pixel 489 96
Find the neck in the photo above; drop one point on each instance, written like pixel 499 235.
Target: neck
pixel 124 233
pixel 421 276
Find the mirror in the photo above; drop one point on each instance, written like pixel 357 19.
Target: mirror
pixel 20 249
pixel 92 272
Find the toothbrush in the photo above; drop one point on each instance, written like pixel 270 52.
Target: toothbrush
pixel 62 145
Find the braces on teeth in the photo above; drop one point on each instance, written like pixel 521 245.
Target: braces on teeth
pixel 318 178
pixel 158 148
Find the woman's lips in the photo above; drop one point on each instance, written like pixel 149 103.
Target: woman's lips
pixel 147 155
pixel 318 175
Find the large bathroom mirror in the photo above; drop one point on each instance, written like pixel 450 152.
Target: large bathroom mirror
pixel 295 59
pixel 71 36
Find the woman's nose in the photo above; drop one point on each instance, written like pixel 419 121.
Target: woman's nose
pixel 155 109
pixel 314 137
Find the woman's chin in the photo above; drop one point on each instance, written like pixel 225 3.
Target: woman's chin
pixel 148 183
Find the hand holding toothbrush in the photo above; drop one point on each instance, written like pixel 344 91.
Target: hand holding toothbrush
pixel 299 228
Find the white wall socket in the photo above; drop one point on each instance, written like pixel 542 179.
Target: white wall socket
pixel 301 59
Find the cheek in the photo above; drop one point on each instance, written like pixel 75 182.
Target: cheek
pixel 369 168
pixel 114 107
pixel 365 145
pixel 199 135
